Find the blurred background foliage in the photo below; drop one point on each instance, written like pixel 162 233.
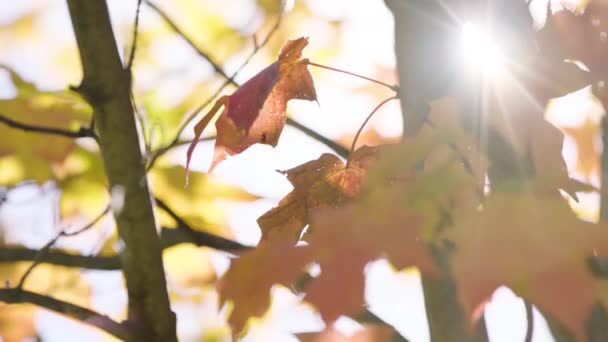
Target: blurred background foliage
pixel 50 183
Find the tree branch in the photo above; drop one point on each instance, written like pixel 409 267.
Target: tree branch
pixel 83 132
pixel 170 237
pixel 135 32
pixel 81 314
pixel 44 250
pixel 185 233
pixel 59 257
pixel 187 39
pixel 107 87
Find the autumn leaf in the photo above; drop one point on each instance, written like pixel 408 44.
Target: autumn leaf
pixel 324 182
pixel 441 168
pixel 533 243
pixel 521 145
pixel 250 277
pixel 342 241
pixel 580 37
pixel 255 113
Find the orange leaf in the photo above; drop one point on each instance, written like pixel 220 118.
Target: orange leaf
pixel 318 183
pixel 342 241
pixel 250 278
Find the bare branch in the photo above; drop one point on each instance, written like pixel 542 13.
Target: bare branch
pixel 169 237
pixel 83 132
pixel 81 314
pixel 44 250
pixel 135 31
pixel 59 257
pixel 185 233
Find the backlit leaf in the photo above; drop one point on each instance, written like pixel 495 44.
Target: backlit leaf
pixel 533 243
pixel 255 113
pixel 325 182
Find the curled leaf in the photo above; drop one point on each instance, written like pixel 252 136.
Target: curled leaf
pixel 255 113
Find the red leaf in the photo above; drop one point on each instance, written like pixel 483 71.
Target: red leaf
pixel 255 113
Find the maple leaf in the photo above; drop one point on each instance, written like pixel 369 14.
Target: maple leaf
pixel 250 277
pixel 323 182
pixel 439 169
pixel 255 113
pixel 533 243
pixel 581 37
pixel 342 241
pixel 521 144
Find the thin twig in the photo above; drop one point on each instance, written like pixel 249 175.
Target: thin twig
pixel 83 132
pixel 135 31
pixel 79 313
pixel 181 33
pixel 45 249
pixel 129 67
pixel 529 321
pixel 392 87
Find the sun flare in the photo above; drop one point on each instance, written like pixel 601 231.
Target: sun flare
pixel 480 52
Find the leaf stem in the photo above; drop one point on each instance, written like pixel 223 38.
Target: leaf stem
pixel 352 146
pixel 529 321
pixel 392 87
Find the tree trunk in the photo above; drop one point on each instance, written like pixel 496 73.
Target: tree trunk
pixel 106 85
